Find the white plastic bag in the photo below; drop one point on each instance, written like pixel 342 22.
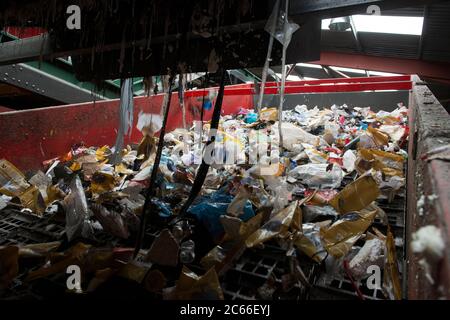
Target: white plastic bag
pixel 315 175
pixel 349 160
pixel 149 121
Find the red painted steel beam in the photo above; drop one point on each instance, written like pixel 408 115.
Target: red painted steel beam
pixel 319 86
pixel 25 32
pixel 435 70
pixel 343 81
pixel 324 88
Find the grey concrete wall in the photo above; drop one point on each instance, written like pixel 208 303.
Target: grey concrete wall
pixel 376 100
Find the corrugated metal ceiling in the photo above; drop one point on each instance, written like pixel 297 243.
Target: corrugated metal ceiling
pixel 435 45
pixel 436 41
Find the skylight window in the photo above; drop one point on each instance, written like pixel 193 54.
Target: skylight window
pixel 309 65
pixel 384 24
pixel 384 74
pixel 349 70
pixel 289 77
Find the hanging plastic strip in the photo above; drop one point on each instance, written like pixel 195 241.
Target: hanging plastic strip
pixel 283 33
pixel 181 90
pixel 270 28
pixel 181 99
pixel 126 118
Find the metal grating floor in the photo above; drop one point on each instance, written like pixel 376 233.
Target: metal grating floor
pixel 241 282
pixel 255 267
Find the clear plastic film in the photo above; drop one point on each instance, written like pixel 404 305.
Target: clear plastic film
pixel 111 221
pixel 278 25
pixel 77 212
pixel 3 203
pixel 311 213
pixel 42 182
pixel 236 207
pixel 316 175
pixel 293 136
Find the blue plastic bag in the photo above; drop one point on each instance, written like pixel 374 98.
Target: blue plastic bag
pixel 210 208
pixel 251 117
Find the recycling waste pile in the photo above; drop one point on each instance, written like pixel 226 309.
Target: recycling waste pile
pixel 317 214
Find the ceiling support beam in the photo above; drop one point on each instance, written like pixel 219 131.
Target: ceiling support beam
pixel 25 49
pixel 328 72
pixel 339 73
pixel 43 46
pixel 435 70
pixel 42 83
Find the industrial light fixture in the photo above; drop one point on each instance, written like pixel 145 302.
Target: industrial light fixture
pixel 340 24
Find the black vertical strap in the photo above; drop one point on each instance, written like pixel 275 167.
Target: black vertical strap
pixel 180 88
pixel 152 185
pixel 203 99
pixel 204 167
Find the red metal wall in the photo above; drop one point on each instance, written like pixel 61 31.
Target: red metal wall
pixel 31 136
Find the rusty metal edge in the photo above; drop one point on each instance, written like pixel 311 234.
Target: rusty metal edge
pixel 429 128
